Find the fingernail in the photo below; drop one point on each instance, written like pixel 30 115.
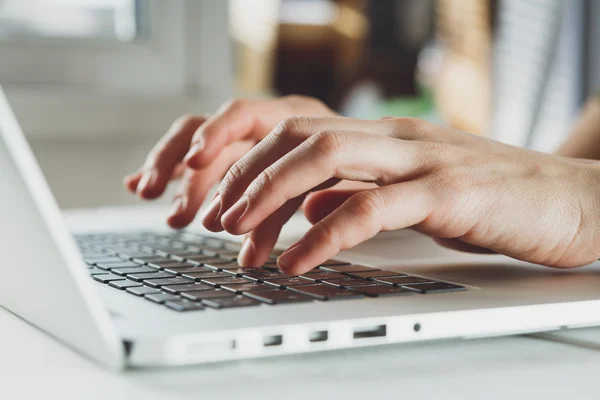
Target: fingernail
pixel 290 256
pixel 247 252
pixel 235 213
pixel 146 181
pixel 210 218
pixel 195 149
pixel 178 206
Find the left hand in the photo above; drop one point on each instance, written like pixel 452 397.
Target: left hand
pixel 445 183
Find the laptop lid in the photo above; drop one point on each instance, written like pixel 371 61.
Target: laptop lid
pixel 43 278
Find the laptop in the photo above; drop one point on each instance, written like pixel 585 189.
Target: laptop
pixel 137 298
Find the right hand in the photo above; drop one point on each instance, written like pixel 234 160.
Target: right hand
pixel 200 150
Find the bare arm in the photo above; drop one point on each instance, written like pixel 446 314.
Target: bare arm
pixel 584 140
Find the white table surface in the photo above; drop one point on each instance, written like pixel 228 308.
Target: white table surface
pixel 545 366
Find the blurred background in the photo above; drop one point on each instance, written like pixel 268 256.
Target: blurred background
pixel 95 83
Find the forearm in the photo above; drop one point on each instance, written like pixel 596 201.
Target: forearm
pixel 584 140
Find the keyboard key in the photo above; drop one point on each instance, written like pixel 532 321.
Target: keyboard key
pixel 371 275
pixel 218 263
pixel 276 296
pixel 97 271
pixel 149 259
pixel 318 276
pixel 160 298
pixel 247 287
pixel 166 281
pixel 188 287
pixel 167 264
pixel 101 259
pixel 117 265
pixel 141 290
pixel 383 290
pixel 122 285
pixel 348 281
pixel 184 306
pixel 262 276
pixel 403 280
pixel 326 292
pixel 188 270
pixel 207 294
pixel 182 255
pixel 333 262
pixel 140 269
pixel 435 287
pixel 230 302
pixel 239 271
pixel 228 280
pixel 348 268
pixel 105 278
pixel 290 281
pixel 150 275
pixel 206 275
pixel 200 260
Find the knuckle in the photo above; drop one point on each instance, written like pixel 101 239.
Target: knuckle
pixel 291 127
pixel 233 105
pixel 368 204
pixel 185 120
pixel 265 181
pixel 329 143
pixel 234 174
pixel 327 234
pixel 410 127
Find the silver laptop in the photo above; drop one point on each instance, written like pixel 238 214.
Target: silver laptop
pixel 169 298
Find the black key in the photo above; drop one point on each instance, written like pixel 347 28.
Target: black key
pixel 141 290
pixel 233 254
pixel 383 290
pixel 117 265
pixel 150 275
pixel 182 255
pixel 166 281
pixel 262 276
pixel 200 260
pixel 183 306
pixel 167 264
pixel 318 276
pixel 160 298
pixel 403 280
pixel 206 275
pixel 435 287
pixel 132 254
pixel 239 271
pixel 188 287
pixel 231 302
pixel 207 294
pixel 247 287
pixel 105 278
pixel 97 271
pixel 186 270
pixel 333 262
pixel 149 259
pixel 218 263
pixel 326 292
pixel 276 296
pixel 348 268
pixel 176 265
pixel 371 275
pixel 228 280
pixel 289 281
pixel 96 260
pixel 140 269
pixel 122 285
pixel 348 282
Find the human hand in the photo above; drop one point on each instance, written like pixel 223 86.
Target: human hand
pixel 200 150
pixel 451 185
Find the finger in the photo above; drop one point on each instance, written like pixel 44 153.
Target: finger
pixel 361 217
pixel 320 204
pixel 166 155
pixel 325 156
pixel 459 245
pixel 259 243
pixel 195 184
pixel 131 181
pixel 246 119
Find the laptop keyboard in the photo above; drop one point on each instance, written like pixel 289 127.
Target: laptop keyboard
pixel 189 272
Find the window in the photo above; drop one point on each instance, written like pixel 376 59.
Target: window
pixel 107 19
pixel 108 59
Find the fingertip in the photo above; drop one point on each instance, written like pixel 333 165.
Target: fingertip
pixel 151 185
pixel 131 181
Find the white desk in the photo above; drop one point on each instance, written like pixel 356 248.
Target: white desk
pixel 34 366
